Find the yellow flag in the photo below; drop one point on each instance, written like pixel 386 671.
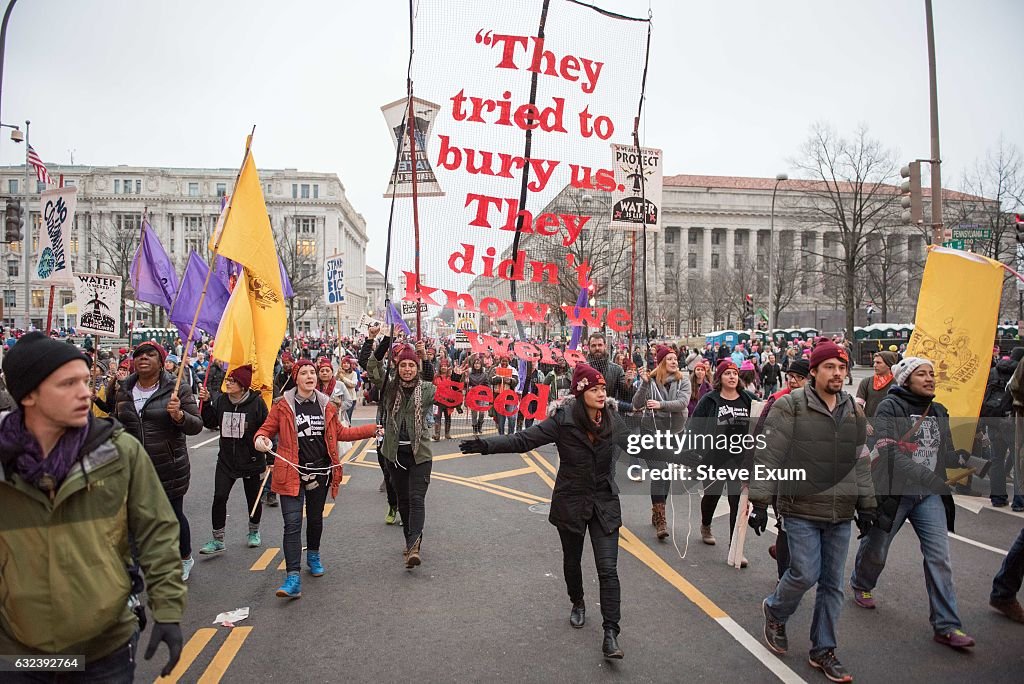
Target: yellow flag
pixel 254 320
pixel 955 326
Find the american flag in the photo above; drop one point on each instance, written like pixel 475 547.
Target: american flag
pixel 41 172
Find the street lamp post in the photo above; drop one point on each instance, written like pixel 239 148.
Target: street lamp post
pixel 771 260
pixel 26 239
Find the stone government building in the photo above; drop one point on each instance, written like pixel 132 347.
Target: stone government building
pixel 713 249
pixel 310 214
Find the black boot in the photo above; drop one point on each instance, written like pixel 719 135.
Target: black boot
pixel 611 645
pixel 578 616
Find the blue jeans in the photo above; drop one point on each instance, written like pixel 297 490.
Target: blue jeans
pixel 291 511
pixel 510 421
pixel 817 556
pixel 928 517
pixel 1007 582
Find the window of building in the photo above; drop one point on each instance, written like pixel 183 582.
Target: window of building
pixel 691 260
pixel 40 186
pixel 10 298
pixel 38 299
pixel 305 191
pixel 68 183
pixel 73 246
pixel 129 222
pixel 693 235
pixel 117 186
pixel 66 297
pixel 716 237
pixel 12 269
pixel 193 189
pixel 12 186
pixel 670 237
pixel 670 259
pixel 316 191
pixel 295 190
pixel 268 189
pixel 138 187
pixel 222 189
pixel 305 225
pixel 305 247
pixel 128 186
pixel 714 260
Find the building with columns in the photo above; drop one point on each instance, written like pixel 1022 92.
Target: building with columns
pixel 713 250
pixel 309 213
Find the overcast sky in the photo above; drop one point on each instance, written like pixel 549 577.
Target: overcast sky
pixel 733 87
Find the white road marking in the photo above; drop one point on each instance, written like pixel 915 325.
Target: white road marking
pixel 759 651
pixel 212 439
pixel 966 540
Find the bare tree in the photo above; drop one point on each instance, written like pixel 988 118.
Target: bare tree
pixel 851 190
pixel 117 246
pixel 304 273
pixel 886 270
pixel 789 273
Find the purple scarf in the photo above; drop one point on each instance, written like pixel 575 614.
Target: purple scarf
pixel 45 472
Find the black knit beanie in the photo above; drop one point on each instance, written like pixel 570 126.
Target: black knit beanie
pixel 33 359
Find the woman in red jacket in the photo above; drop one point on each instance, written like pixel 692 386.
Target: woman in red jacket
pixel 308 430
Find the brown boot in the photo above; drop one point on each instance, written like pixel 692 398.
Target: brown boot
pixel 658 520
pixel 447 435
pixel 412 556
pixel 706 536
pixel 437 434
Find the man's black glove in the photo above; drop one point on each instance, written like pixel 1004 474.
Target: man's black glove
pixel 866 520
pixel 473 446
pixel 170 634
pixel 758 520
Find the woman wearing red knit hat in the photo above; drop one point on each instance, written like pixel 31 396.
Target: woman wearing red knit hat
pixel 723 411
pixel 584 497
pixel 307 466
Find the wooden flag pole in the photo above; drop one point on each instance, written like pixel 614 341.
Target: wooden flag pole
pixel 209 271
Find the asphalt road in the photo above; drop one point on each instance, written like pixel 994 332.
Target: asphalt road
pixel 489 602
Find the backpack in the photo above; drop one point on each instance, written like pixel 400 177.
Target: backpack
pixel 998 401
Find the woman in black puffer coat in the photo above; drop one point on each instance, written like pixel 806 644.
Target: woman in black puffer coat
pixel 145 405
pixel 585 497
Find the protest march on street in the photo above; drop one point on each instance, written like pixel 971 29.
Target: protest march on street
pixel 522 293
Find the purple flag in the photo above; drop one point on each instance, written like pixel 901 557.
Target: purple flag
pixel 152 273
pixel 577 330
pixel 286 285
pixel 393 318
pixel 227 272
pixel 184 309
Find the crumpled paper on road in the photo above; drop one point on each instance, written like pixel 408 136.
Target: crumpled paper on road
pixel 232 616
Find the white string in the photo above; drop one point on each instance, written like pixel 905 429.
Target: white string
pixel 324 470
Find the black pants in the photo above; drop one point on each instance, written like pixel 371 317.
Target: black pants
pixel 392 495
pixel 441 413
pixel 222 484
pixel 115 668
pixel 185 534
pixel 709 502
pixel 410 481
pixel 606 554
pixel 659 488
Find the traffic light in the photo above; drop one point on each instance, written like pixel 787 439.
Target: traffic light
pixel 748 311
pixel 13 222
pixel 911 191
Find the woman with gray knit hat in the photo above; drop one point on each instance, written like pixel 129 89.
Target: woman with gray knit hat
pixel 914 448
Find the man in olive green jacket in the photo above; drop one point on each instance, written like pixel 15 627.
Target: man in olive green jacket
pixel 73 489
pixel 819 432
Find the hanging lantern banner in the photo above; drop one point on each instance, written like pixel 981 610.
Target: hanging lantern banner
pixel 98 298
pixel 334 280
pixel 58 212
pixel 423 114
pixel 635 183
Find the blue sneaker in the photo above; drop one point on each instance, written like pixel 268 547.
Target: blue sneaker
pixel 316 568
pixel 292 587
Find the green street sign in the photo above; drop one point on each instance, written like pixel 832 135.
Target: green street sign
pixel 954 244
pixel 971 233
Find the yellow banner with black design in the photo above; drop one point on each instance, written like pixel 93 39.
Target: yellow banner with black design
pixel 955 325
pixel 254 320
